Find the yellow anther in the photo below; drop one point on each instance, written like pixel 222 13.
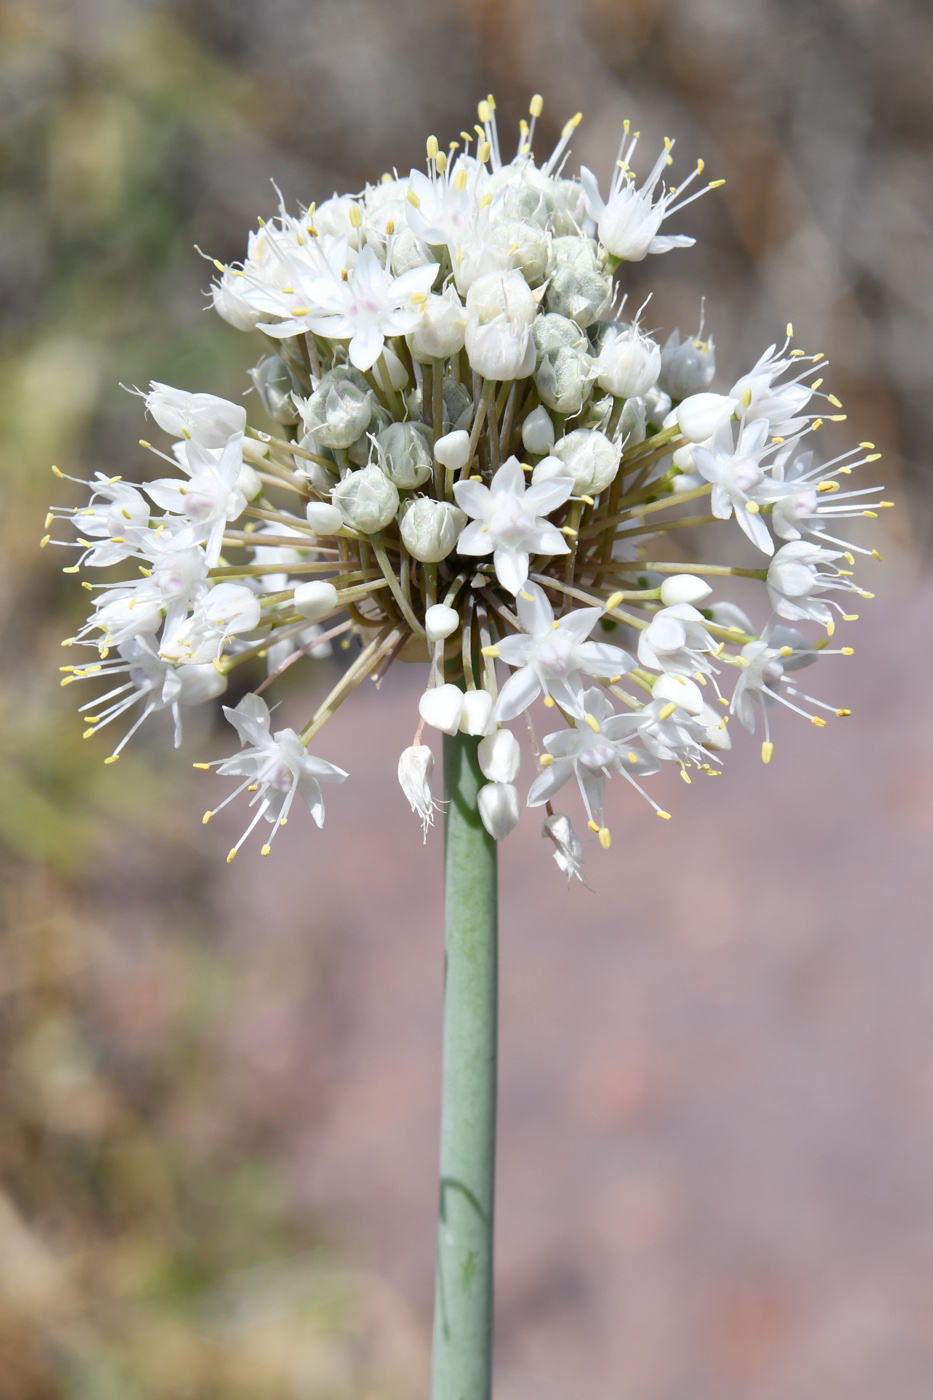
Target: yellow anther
pixel 112 759
pixel 877 556
pixel 834 401
pixel 568 530
pixel 549 702
pixel 207 815
pixel 767 751
pixel 546 760
pixel 593 826
pixel 416 202
pixel 593 722
pixel 715 184
pixel 485 201
pixel 484 152
pixel 300 310
pixel 747 399
pixel 820 723
pixel 685 775
pixel 701 166
pixel 283 821
pixel 632 756
pixel 71 569
pixel 786 651
pixel 848 651
pixel 356 218
pixel 265 850
pixel 885 505
pixel 816 384
pixel 344 275
pixel 231 855
pixel 838 417
pixel 59 474
pixel 850 557
pixel 843 713
pixel 432 147
pixel 666 816
pixel 850 617
pixel 67 680
pixel 605 839
pixel 752 507
pixel 490 651
pixel 875 457
pixel 44 541
pixel 144 443
pixel 830 627
pixel 440 160
pixel 483 111
pixel 528 597
pixel 536 105
pixel 790 330
pixel 667 710
pixel 614 680
pixel 87 733
pixel 817 424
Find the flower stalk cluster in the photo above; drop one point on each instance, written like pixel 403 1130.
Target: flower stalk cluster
pixel 478 462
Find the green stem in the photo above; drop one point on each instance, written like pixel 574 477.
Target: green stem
pixel 462 1359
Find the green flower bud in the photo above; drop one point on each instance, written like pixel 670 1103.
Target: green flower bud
pixel 591 459
pixel 273 383
pixel 551 333
pixel 366 499
pixel 340 409
pixel 405 455
pixel 563 379
pixel 581 294
pixel 430 528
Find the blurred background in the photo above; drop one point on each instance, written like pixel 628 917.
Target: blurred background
pixel 219 1086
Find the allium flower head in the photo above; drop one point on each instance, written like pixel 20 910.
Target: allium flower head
pixel 473 466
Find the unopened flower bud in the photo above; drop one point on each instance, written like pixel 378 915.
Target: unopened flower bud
pixel 441 707
pixel 527 247
pixel 684 588
pixel 569 208
pixel 502 294
pixel 316 600
pixel 367 500
pixel 682 692
pixel 200 683
pixel 397 373
pixel 323 519
pixel 628 366
pixel 415 766
pixel 273 384
pixel 500 756
pixel 440 622
pixel 476 714
pixel 338 412
pixel 405 454
pixel 632 425
pixel 499 808
pixel 453 450
pixel 499 350
pixel 552 332
pixel 590 458
pixel 249 482
pixel 577 288
pixel 430 528
pixel 657 407
pixel 563 379
pixel 699 415
pixel 439 333
pixel 687 367
pixel 538 432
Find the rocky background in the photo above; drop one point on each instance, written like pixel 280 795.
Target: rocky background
pixel 219 1086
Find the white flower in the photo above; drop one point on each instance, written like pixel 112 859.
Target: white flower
pixel 276 768
pixel 628 222
pixel 676 641
pixel 508 521
pixel 781 404
pixel 227 610
pixel 369 305
pixel 739 483
pixel 628 364
pixel 415 766
pixel 202 418
pixel 113 523
pixel 795 580
pixel 210 497
pixel 440 330
pixel 552 655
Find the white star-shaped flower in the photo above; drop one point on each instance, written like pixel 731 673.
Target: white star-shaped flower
pixel 508 521
pixel 552 655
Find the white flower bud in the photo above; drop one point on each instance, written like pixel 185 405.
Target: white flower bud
pixel 415 767
pixel 273 384
pixel 338 412
pixel 453 450
pixel 699 415
pixel 632 427
pixel 430 528
pixel 687 367
pixel 323 519
pixel 628 366
pixel 208 420
pixel 502 294
pixel 441 707
pixel 249 482
pixel 682 692
pixel 405 454
pixel 366 499
pixel 538 431
pixel 316 600
pixel 439 333
pixel 398 374
pixel 500 756
pixel 497 351
pixel 499 808
pixel 440 622
pixel 590 458
pixel 476 714
pixel 549 469
pixel 683 588
pixel 563 380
